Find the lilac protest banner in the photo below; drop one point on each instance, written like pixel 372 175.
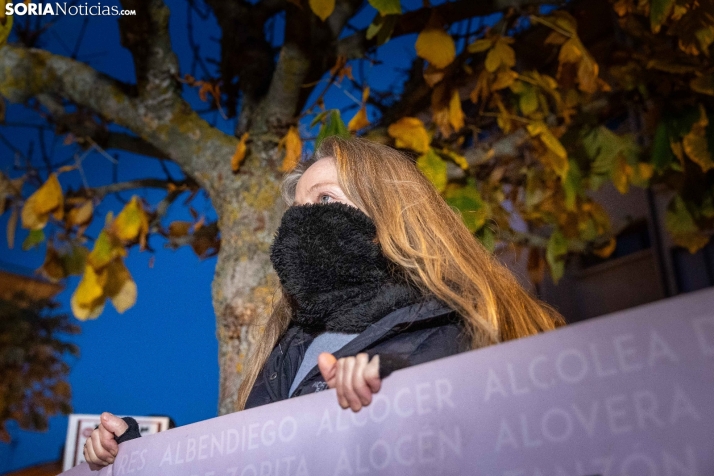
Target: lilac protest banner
pixel 630 394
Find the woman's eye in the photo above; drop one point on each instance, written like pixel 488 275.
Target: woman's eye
pixel 324 198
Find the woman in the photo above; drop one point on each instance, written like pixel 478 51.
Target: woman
pixel 377 273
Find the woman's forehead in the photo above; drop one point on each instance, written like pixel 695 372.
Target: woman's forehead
pixel 324 170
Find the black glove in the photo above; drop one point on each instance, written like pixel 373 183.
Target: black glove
pixel 130 433
pixel 389 363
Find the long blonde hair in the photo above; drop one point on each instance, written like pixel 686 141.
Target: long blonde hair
pixel 428 241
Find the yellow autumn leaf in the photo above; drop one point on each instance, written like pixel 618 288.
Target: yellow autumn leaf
pixel 132 222
pixel 695 143
pixel 570 52
pixel 557 163
pixel 641 174
pixel 5 27
pixel 440 117
pixel 500 54
pixel 645 170
pixel 81 214
pixel 588 71
pixel 528 99
pixel 696 147
pixel 600 217
pixel 481 90
pixel 480 45
pixel 703 84
pixel 365 94
pixel 458 159
pixel 433 75
pixel 387 7
pixel 620 174
pixel 239 154
pixel 46 199
pixel 503 119
pixel 88 299
pixel 434 169
pixel 436 46
pixel 179 228
pixel 440 110
pixel 49 196
pixel 119 287
pixel 540 129
pixel 456 114
pixel 410 133
pixel 607 250
pixel 573 51
pixel 30 219
pixel 693 242
pixel 555 38
pixel 660 10
pixel 293 149
pixel 682 226
pixel 564 20
pixel 359 121
pixel 322 8
pixel 504 79
pixel 52 267
pixel 104 251
pixel 677 150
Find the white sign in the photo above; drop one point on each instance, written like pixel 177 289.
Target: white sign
pixel 80 427
pixel 624 395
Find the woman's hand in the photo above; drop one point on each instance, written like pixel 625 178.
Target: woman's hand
pixel 355 378
pixel 101 448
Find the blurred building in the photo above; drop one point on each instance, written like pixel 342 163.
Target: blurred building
pixel 646 265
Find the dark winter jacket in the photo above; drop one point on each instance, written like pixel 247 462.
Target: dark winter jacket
pixel 408 336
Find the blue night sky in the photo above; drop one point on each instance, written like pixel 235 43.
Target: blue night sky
pixel 159 357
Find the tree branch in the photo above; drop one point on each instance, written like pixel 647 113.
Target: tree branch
pixel 130 143
pixel 104 190
pixel 146 36
pixel 504 146
pixel 29 72
pixel 307 53
pixel 355 45
pixel 202 151
pixel 96 132
pixel 246 55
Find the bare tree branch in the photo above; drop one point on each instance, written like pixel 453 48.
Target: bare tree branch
pixel 103 190
pixel 180 133
pixel 355 45
pixel 130 143
pixel 307 53
pixel 247 62
pixel 146 35
pixel 96 132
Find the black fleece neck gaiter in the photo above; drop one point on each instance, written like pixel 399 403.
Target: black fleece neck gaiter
pixel 333 271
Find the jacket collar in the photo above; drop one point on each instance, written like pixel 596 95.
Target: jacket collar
pixel 389 324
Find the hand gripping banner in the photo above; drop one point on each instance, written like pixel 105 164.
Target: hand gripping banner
pixel 631 394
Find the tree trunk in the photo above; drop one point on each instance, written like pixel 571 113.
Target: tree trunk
pixel 249 210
